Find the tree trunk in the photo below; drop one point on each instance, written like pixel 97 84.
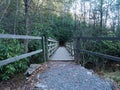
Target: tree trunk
pixel 101 15
pixel 26 2
pixel 118 27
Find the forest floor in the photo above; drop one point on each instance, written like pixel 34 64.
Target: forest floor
pixel 14 83
pixel 58 76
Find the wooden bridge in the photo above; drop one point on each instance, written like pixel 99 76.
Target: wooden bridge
pixel 61 54
pixel 53 52
pixel 50 49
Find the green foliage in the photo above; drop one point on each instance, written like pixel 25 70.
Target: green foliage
pixel 105 47
pixel 10 70
pixel 33 46
pixel 113 75
pixel 63 28
pixel 10 48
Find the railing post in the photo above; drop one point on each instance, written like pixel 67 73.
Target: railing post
pixel 71 48
pixel 46 48
pixel 77 50
pixel 43 48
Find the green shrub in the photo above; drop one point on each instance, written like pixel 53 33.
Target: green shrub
pixel 10 48
pixel 105 47
pixel 33 46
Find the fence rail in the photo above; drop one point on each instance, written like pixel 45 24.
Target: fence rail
pixel 70 48
pixel 99 38
pixel 16 58
pixel 43 50
pixel 110 57
pixel 52 46
pixel 10 36
pixel 101 55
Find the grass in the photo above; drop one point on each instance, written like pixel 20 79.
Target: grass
pixel 113 75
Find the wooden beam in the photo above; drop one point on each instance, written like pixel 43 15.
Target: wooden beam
pixel 101 55
pixel 16 58
pixel 99 38
pixel 10 36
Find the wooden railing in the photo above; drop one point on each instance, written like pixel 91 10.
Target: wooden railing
pixel 70 47
pixel 79 50
pixel 42 50
pixel 52 46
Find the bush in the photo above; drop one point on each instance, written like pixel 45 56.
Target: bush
pixel 10 48
pixel 105 47
pixel 33 46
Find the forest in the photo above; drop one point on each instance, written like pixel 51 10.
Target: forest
pixel 62 20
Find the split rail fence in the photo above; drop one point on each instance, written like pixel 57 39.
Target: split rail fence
pixel 48 47
pixel 78 49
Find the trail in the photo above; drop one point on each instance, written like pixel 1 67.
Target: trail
pixel 69 76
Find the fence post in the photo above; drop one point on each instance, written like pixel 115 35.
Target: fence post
pixel 43 47
pixel 74 45
pixel 46 48
pixel 77 50
pixel 71 48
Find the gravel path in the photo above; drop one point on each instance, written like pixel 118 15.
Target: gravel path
pixel 69 76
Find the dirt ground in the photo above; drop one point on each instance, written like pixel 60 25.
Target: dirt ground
pixel 19 82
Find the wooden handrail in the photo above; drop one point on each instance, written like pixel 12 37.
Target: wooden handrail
pixel 70 48
pixel 101 55
pixel 99 38
pixel 10 36
pixel 16 58
pixel 110 57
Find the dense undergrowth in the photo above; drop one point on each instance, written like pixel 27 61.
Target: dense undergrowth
pixel 105 67
pixel 10 48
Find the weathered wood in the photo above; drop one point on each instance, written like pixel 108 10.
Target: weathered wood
pixel 16 58
pixel 51 45
pixel 101 55
pixel 77 46
pixel 51 50
pixel 52 40
pixel 96 53
pixel 46 48
pixel 10 36
pixel 61 54
pixel 70 48
pixel 99 38
pixel 43 47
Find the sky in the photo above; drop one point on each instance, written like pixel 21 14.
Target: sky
pixel 77 8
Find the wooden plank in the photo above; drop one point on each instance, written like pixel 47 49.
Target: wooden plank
pixel 99 38
pixel 51 45
pixel 61 54
pixel 16 58
pixel 52 48
pixel 10 36
pixel 51 40
pixel 101 55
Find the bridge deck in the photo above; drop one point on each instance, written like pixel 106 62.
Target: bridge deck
pixel 61 54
